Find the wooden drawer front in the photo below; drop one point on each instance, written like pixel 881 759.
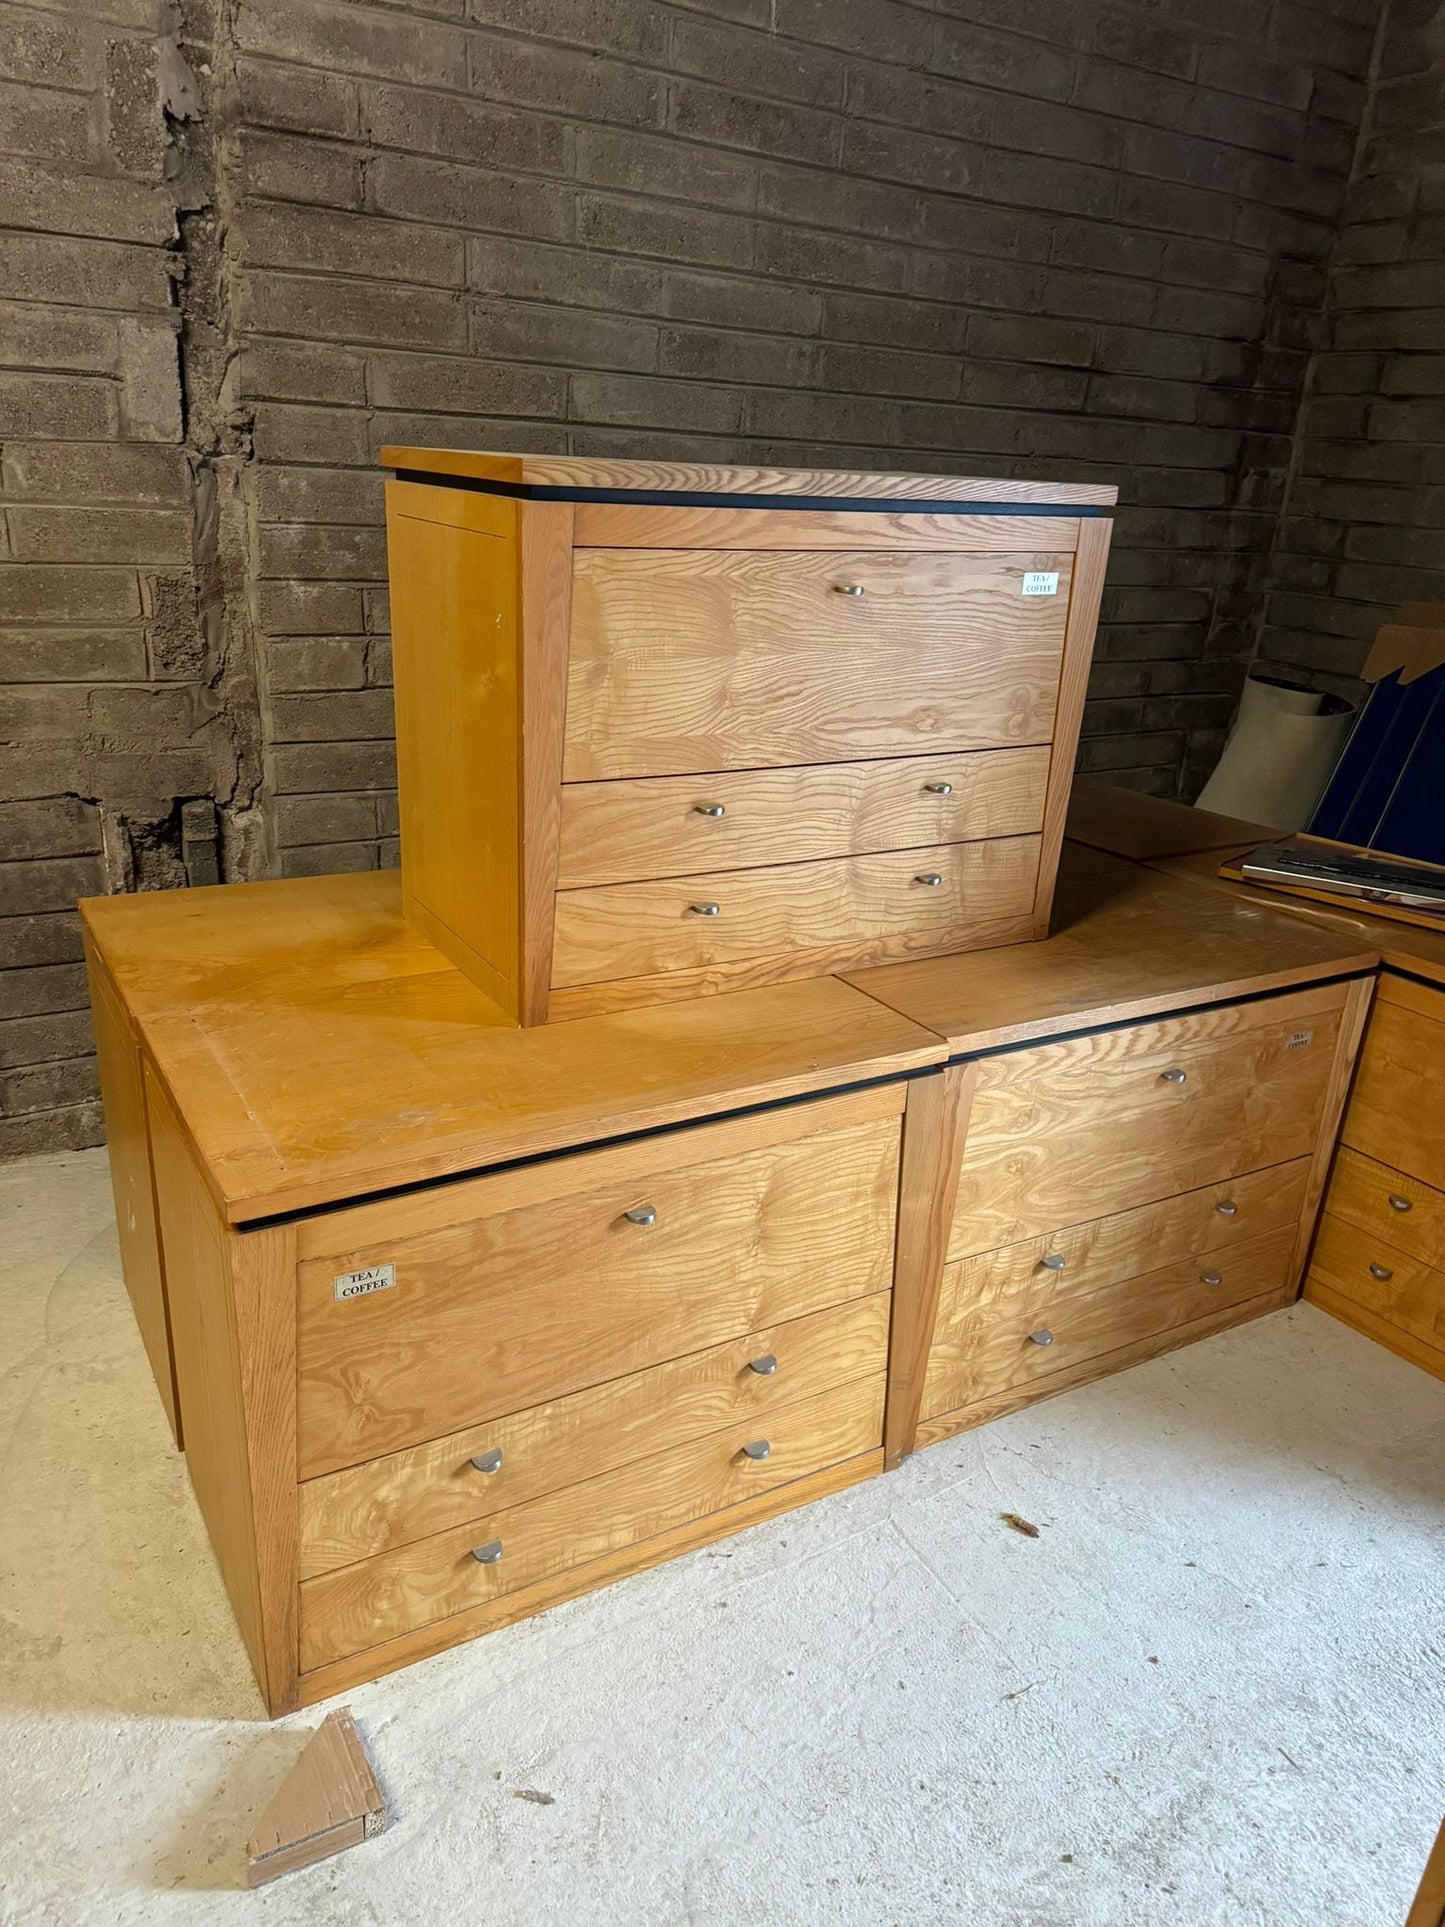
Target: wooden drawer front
pixel 1411 1294
pixel 1388 1205
pixel 655 826
pixel 1091 1125
pixel 500 1312
pixel 361 1605
pixel 871 907
pixel 389 1502
pixel 995 1309
pixel 704 660
pixel 1397 1108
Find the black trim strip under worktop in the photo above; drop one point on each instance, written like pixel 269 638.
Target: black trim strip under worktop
pixel 697 499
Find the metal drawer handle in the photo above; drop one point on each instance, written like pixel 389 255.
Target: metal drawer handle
pixel 1055 1261
pixel 929 878
pixel 489 1554
pixel 643 1214
pixel 764 1366
pixel 705 909
pixel 487 1461
pixel 1175 1076
pixel 759 1449
pixel 938 789
pixel 1041 1338
pixel 848 588
pixel 709 809
pixel 1227 1208
pixel 1383 1272
pixel 1397 1203
pixel 1211 1277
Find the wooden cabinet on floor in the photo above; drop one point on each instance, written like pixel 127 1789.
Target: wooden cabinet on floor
pixel 665 729
pixel 460 1319
pixel 1379 1263
pixel 463 1319
pixel 1118 1181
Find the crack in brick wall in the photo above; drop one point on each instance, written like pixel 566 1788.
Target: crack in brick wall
pixel 248 241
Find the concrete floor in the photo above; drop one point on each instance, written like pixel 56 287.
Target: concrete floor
pixel 1212 1690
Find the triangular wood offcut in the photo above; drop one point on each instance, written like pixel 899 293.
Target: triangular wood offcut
pixel 327 1802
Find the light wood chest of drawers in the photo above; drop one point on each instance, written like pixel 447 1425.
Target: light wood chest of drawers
pixel 664 730
pixel 1379 1260
pixel 457 1319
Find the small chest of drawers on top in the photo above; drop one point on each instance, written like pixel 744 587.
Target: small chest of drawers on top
pixel 667 729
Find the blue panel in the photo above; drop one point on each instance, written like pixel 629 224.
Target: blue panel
pixel 1388 791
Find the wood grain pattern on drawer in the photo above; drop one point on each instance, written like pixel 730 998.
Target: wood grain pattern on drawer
pixel 960 895
pixel 410 1495
pixel 1387 1282
pixel 659 826
pixel 361 1605
pixel 1389 1204
pixel 686 660
pixel 1086 1126
pixel 1003 1322
pixel 502 1311
pixel 1397 1107
pixel 1212 1218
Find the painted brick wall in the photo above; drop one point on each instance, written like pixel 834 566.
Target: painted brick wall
pixel 1018 238
pixel 247 241
pixel 126 716
pixel 1364 527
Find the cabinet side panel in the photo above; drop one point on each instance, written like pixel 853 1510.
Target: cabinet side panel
pixel 546 575
pixel 1086 591
pixel 233 1321
pixel 453 565
pixel 127 1138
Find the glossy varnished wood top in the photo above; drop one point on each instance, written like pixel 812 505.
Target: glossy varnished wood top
pixel 1399 946
pixel 1126 942
pixel 318 1049
pixel 1125 823
pixel 706 478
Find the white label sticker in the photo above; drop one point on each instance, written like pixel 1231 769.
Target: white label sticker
pixel 1299 1039
pixel 1041 582
pixel 356 1284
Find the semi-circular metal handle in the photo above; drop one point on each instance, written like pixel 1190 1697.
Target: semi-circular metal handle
pixel 1041 1338
pixel 1175 1076
pixel 705 909
pixel 489 1554
pixel 643 1214
pixel 848 588
pixel 1227 1208
pixel 938 789
pixel 929 878
pixel 758 1449
pixel 1053 1261
pixel 764 1366
pixel 1211 1277
pixel 1397 1203
pixel 1383 1272
pixel 487 1461
pixel 709 809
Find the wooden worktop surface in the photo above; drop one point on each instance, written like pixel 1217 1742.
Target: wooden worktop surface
pixel 1126 942
pixel 707 478
pixel 1188 844
pixel 1400 946
pixel 318 1049
pixel 1126 823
